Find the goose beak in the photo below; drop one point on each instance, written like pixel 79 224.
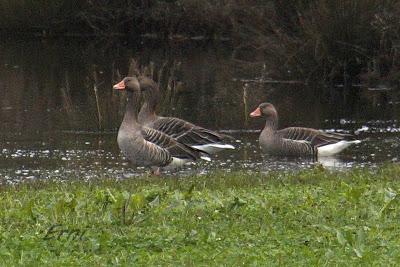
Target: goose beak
pixel 119 86
pixel 256 113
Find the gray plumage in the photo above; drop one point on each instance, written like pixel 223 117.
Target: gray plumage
pixel 296 141
pixel 142 145
pixel 181 130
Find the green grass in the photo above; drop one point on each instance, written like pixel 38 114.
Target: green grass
pixel 308 218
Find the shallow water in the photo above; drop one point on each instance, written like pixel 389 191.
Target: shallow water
pixel 93 155
pixel 54 124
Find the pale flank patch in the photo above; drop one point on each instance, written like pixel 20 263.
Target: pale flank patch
pixel 176 163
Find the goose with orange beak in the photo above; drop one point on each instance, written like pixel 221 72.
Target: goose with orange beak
pixel 148 147
pixel 297 141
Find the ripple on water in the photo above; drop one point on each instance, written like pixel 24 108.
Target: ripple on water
pixel 84 160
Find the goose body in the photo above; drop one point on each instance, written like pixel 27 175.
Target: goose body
pixel 297 141
pixel 185 132
pixel 148 147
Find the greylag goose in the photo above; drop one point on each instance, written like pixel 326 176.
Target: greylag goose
pixel 297 141
pixel 181 130
pixel 144 146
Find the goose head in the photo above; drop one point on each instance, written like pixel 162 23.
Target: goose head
pixel 265 109
pixel 148 86
pixel 130 84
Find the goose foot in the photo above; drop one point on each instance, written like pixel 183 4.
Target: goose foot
pixel 156 172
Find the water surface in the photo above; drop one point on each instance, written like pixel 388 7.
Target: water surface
pixel 59 116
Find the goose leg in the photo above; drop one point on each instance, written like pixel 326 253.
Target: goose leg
pixel 156 171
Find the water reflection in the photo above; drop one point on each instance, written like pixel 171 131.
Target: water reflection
pixel 89 156
pixel 59 115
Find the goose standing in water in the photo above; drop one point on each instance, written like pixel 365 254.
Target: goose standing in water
pixel 147 147
pixel 297 141
pixel 181 130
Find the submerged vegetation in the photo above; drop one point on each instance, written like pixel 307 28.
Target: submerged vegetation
pixel 312 217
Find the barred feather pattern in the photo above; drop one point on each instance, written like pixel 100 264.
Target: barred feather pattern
pixel 174 148
pixel 315 137
pixel 276 145
pixel 140 151
pixel 186 132
pixel 297 141
pixel 181 130
pixel 148 147
pixel 296 148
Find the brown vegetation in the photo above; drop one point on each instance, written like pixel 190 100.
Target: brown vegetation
pixel 340 41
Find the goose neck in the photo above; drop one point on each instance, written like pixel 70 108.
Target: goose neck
pixel 271 123
pixel 148 110
pixel 131 114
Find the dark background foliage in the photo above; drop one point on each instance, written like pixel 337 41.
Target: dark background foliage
pixel 338 41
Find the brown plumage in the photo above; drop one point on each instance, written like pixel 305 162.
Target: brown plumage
pixel 297 141
pixel 144 146
pixel 181 130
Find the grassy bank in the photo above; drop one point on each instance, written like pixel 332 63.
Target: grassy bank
pixel 309 218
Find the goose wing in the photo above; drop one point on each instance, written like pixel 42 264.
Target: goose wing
pixel 186 132
pixel 160 140
pixel 314 137
pixel 296 147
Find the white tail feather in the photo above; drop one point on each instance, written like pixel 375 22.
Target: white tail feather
pixel 205 158
pixel 335 148
pixel 213 148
